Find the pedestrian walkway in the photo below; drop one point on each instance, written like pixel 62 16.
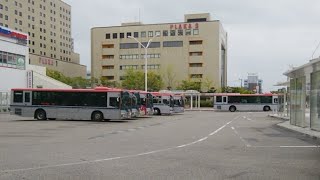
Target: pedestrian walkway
pixel 307 131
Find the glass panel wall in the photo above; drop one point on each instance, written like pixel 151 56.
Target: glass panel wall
pixel 315 101
pixel 298 101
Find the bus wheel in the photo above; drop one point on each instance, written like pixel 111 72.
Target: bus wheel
pixel 232 108
pixel 266 108
pixel 40 114
pixel 97 116
pixel 157 111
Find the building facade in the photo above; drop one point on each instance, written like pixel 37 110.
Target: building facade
pixel 195 49
pixel 253 83
pixel 15 70
pixel 48 24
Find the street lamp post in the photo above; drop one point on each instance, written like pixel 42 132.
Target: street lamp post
pixel 145 61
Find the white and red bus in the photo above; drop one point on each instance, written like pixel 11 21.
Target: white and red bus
pixel 162 103
pixel 78 104
pixel 245 102
pixel 144 102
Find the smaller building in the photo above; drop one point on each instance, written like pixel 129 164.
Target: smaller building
pixel 253 83
pixel 305 95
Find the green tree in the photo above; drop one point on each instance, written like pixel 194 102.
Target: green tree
pixel 189 85
pixel 135 80
pixel 76 82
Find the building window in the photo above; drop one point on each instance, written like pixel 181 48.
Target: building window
pixel 107 56
pixel 150 34
pixel 1 6
pixel 188 32
pixel 152 66
pixel 193 76
pixel 151 45
pixel 157 33
pixel 114 35
pixel 136 34
pixel 121 35
pixel 165 33
pixel 196 32
pixel 108 77
pixel 125 67
pixel 108 67
pixel 195 53
pixel 129 56
pixel 172 32
pixel 143 34
pixel 128 34
pixel 180 32
pixel 6 17
pixel 107 45
pixel 1 16
pixel 129 45
pixel 195 64
pixel 108 36
pixel 150 56
pixel 198 42
pixel 173 44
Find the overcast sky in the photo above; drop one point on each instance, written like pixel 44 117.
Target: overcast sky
pixel 264 37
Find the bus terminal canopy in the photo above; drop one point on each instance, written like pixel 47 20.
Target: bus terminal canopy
pixel 187 93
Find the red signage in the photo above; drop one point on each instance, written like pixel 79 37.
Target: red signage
pixel 185 26
pixel 45 61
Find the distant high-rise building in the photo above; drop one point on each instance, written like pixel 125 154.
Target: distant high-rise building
pixel 253 83
pixel 48 24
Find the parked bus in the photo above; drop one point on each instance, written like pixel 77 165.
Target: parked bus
pixel 145 102
pixel 135 109
pixel 80 104
pixel 162 103
pixel 245 102
pixel 178 103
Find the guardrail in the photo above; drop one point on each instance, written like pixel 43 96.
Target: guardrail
pixel 4 102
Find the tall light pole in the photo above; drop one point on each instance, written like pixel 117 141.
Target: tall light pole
pixel 145 60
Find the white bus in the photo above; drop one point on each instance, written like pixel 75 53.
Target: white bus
pixel 162 103
pixel 245 102
pixel 78 104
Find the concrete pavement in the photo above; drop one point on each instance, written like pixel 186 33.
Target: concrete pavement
pixel 195 145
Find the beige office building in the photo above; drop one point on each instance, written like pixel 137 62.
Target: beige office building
pixel 195 49
pixel 48 23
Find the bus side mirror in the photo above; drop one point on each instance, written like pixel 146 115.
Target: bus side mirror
pixel 118 99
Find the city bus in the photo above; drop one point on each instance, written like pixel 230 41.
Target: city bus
pixel 178 103
pixel 145 102
pixel 162 103
pixel 79 104
pixel 135 108
pixel 245 102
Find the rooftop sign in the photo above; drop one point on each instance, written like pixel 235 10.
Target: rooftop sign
pixel 22 38
pixel 185 26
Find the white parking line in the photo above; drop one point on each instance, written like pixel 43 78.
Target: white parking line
pixel 244 141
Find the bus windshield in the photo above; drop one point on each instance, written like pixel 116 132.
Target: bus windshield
pixel 125 101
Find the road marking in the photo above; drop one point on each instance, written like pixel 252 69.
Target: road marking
pixel 119 157
pixel 244 141
pixel 285 146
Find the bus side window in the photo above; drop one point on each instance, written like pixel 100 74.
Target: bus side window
pixel 275 100
pixel 27 97
pixel 219 99
pixel 18 96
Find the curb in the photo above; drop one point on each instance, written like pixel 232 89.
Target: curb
pixel 279 117
pixel 294 130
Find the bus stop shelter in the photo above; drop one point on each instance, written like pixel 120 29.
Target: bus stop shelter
pixel 305 95
pixel 192 94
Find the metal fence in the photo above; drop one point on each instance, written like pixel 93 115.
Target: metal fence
pixel 4 102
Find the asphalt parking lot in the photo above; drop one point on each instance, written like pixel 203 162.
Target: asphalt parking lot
pixel 193 145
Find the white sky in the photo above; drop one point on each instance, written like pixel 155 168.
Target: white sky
pixel 264 37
